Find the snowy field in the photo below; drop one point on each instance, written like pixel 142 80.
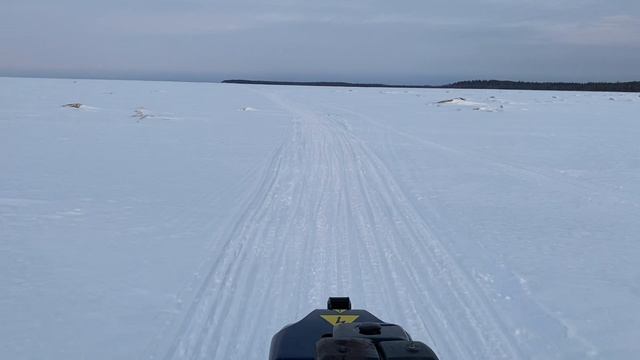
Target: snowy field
pixel 168 221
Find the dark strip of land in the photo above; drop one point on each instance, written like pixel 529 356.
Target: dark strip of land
pixel 322 83
pixel 630 86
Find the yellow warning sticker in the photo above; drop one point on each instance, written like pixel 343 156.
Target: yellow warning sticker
pixel 340 319
pixel 339 311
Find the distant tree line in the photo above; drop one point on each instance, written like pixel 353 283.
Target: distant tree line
pixel 320 83
pixel 631 86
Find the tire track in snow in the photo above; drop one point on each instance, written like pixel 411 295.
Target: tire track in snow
pixel 328 218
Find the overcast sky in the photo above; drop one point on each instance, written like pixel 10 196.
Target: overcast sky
pixel 393 41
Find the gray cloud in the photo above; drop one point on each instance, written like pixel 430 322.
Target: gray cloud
pixel 372 40
pixel 619 30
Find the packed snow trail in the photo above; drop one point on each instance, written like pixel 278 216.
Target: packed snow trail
pixel 230 211
pixel 328 218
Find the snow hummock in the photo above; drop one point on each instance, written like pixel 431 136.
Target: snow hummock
pixel 478 106
pixel 508 234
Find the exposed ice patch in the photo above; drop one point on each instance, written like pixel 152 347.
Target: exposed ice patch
pixel 73 105
pixel 141 113
pixel 455 101
pixel 79 106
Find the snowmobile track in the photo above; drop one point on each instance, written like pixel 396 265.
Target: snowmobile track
pixel 328 218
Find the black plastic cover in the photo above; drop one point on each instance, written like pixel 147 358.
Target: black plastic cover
pixel 374 332
pixel 406 350
pixel 346 349
pixel 298 341
pixel 339 303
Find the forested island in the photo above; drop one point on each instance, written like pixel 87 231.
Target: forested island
pixel 630 86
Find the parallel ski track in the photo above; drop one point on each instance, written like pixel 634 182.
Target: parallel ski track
pixel 329 218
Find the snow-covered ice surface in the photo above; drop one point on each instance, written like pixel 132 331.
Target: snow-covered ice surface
pixel 192 221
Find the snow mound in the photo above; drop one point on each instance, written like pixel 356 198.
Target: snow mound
pixel 477 106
